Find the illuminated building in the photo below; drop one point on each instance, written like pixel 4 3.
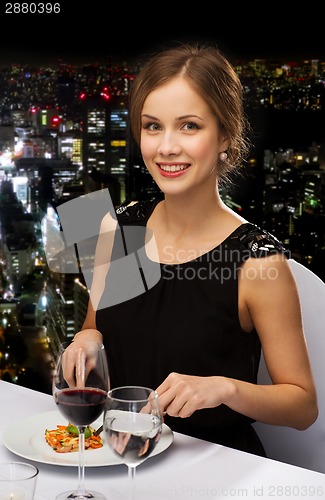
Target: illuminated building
pixel 105 137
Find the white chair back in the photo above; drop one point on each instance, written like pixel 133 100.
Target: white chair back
pixel 303 448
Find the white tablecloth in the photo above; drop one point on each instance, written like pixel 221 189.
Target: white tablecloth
pixel 189 469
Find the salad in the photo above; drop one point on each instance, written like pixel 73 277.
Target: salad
pixel 65 438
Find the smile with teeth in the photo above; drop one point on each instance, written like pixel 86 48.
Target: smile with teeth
pixel 173 168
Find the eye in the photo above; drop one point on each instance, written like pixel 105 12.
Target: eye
pixel 190 126
pixel 151 126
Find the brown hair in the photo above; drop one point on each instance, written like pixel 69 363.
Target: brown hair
pixel 213 77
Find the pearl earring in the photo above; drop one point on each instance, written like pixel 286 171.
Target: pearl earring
pixel 223 156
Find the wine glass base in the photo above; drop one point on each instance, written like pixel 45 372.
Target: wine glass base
pixel 78 495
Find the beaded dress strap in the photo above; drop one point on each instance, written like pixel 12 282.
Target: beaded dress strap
pixel 136 213
pixel 258 241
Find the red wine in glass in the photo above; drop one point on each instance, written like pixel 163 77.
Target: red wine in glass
pixel 81 406
pixel 80 387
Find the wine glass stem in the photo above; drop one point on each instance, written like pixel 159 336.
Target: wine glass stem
pixel 131 474
pixel 81 464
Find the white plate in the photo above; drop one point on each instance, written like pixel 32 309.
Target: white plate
pixel 26 438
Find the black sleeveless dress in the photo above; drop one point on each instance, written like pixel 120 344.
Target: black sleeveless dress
pixel 188 323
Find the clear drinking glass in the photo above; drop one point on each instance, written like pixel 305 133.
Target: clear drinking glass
pixel 132 426
pixel 80 386
pixel 18 481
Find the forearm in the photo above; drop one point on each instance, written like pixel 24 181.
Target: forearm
pixel 276 404
pixel 89 330
pixel 101 265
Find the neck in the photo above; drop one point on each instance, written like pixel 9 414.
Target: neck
pixel 191 210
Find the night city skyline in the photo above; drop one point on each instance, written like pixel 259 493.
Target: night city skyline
pixel 283 111
pixel 280 189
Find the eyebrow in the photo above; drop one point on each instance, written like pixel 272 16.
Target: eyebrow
pixel 178 118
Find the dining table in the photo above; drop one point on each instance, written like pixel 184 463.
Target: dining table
pixel 187 469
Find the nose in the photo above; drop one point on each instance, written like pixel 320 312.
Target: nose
pixel 169 145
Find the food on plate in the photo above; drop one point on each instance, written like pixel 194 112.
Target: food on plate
pixel 65 438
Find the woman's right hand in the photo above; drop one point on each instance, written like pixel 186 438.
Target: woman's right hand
pixel 88 334
pixel 82 346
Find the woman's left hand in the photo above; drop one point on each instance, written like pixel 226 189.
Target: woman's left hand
pixel 181 395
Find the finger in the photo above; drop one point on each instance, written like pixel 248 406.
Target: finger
pixel 164 386
pixel 186 411
pixel 68 367
pixel 164 402
pixel 81 368
pixel 166 395
pixel 175 407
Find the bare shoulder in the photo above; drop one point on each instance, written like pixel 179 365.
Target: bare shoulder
pixel 275 262
pixel 273 268
pixel 108 223
pixel 268 283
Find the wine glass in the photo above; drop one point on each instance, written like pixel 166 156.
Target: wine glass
pixel 80 386
pixel 132 425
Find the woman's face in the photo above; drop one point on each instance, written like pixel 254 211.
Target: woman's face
pixel 180 138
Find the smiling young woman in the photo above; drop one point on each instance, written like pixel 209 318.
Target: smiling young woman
pixel 196 334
